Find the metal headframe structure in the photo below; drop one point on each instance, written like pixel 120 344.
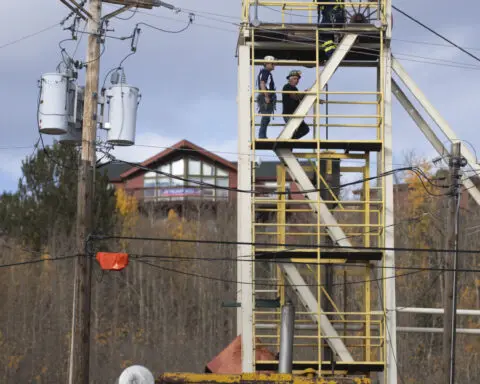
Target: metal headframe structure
pixel 339 330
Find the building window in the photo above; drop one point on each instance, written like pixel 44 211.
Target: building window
pixel 195 170
pixel 150 185
pixel 208 170
pixel 178 167
pixel 194 167
pixel 222 173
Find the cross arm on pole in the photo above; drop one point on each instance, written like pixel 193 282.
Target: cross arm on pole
pixel 147 4
pixel 118 12
pixel 77 9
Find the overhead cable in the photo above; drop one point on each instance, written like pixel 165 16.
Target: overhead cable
pixel 290 245
pixel 230 189
pixel 257 283
pixel 435 33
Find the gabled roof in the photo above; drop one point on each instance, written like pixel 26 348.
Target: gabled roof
pixel 181 145
pixel 113 170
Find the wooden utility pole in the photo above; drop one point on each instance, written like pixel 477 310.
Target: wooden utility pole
pixel 80 347
pixel 450 301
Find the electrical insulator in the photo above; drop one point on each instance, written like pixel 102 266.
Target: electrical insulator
pixel 123 100
pixel 75 100
pixel 53 104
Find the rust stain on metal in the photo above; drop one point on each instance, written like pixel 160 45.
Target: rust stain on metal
pixel 253 378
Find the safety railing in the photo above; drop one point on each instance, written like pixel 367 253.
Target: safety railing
pixel 362 333
pixel 328 115
pixel 285 213
pixel 355 12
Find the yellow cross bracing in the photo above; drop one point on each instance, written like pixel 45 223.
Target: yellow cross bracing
pixel 340 324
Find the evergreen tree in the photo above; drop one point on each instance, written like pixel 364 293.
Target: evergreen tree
pixel 46 200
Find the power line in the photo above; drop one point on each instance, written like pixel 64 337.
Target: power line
pixel 240 153
pixel 256 283
pixel 435 33
pixel 304 40
pixel 289 245
pixel 29 36
pixel 134 12
pixel 273 260
pixel 17 147
pixel 10 265
pixel 306 16
pixel 421 296
pixel 208 185
pixel 190 22
pixel 434 62
pixel 411 18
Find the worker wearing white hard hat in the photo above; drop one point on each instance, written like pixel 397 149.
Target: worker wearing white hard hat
pixel 266 100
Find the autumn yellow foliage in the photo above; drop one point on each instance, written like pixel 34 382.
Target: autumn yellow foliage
pixel 127 208
pixel 417 194
pixel 181 229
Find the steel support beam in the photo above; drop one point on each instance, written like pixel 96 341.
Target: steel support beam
pixel 309 100
pixel 435 115
pixel 298 174
pixel 244 213
pixel 389 257
pixel 311 304
pixel 431 136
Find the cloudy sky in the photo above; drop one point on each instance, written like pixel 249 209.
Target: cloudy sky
pixel 188 80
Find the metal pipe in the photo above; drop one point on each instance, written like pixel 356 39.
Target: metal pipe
pixel 285 360
pixel 438 311
pixel 312 327
pixel 437 330
pixel 256 21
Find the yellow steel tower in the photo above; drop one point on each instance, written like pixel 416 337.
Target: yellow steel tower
pixel 308 241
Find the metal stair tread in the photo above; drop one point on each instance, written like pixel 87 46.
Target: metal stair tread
pixel 349 255
pixel 346 145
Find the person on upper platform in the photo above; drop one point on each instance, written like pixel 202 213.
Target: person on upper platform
pixel 291 101
pixel 266 100
pixel 331 14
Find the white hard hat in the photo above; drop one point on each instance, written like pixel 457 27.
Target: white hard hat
pixel 269 58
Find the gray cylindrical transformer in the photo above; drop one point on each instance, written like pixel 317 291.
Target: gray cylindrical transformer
pixel 73 136
pixel 75 99
pixel 123 100
pixel 53 107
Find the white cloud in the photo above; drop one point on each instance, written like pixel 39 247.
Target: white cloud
pixel 149 144
pixel 10 167
pixel 188 81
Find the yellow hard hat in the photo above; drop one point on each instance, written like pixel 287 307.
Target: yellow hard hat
pixel 295 73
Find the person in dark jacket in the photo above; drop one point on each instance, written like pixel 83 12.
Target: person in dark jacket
pixel 330 16
pixel 291 101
